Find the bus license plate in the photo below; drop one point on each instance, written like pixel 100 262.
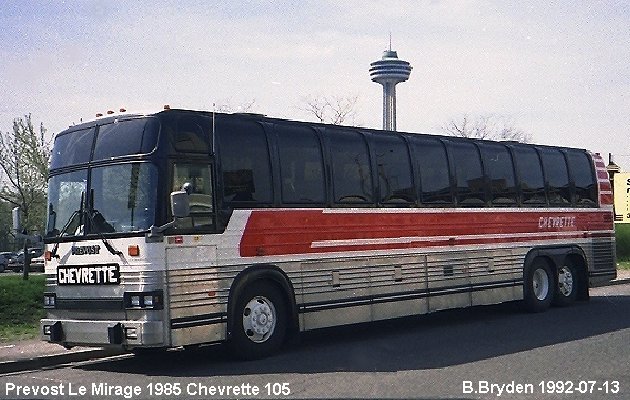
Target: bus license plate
pixel 89 275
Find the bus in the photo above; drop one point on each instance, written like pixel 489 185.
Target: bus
pixel 179 228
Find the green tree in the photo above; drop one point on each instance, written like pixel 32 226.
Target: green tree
pixel 6 239
pixel 24 155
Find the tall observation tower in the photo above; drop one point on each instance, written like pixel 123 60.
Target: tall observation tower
pixel 388 72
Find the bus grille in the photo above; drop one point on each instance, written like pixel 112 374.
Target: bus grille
pixel 603 254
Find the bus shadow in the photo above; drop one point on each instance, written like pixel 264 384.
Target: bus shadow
pixel 439 340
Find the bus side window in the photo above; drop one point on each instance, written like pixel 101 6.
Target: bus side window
pixel 191 136
pixel 499 169
pixel 530 176
pixel 244 159
pixel 186 133
pixel 583 178
pixel 556 176
pixel 393 169
pixel 301 165
pixel 432 164
pixel 201 202
pixel 352 176
pixel 469 179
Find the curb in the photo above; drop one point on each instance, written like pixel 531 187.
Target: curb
pixel 615 282
pixel 39 362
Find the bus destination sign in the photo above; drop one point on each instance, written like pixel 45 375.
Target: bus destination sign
pixel 89 275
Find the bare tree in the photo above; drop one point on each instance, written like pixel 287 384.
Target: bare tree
pixel 24 155
pixel 490 127
pixel 331 110
pixel 225 106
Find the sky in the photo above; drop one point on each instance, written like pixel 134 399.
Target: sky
pixel 558 70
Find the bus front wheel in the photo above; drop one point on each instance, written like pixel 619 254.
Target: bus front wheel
pixel 260 321
pixel 538 286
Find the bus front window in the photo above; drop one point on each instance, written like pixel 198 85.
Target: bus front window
pixel 122 198
pixel 66 192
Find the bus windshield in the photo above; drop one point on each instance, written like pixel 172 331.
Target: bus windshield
pixel 119 199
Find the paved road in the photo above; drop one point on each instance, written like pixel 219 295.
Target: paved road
pixel 453 354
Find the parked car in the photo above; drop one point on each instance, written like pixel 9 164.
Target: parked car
pixel 37 260
pixel 5 257
pixel 37 264
pixel 17 261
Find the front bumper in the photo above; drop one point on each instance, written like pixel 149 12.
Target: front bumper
pixel 125 334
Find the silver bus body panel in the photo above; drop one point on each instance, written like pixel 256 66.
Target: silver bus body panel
pixel 196 273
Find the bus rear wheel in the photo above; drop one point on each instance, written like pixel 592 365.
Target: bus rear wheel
pixel 538 286
pixel 567 287
pixel 260 321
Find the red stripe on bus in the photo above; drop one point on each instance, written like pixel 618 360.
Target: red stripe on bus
pixel 285 232
pixel 606 199
pixel 602 174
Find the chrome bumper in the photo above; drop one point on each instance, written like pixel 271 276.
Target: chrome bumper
pixel 126 334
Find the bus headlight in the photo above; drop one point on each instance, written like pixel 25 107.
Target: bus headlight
pixel 153 300
pixel 131 333
pixel 49 300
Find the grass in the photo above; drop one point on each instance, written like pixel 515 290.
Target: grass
pixel 21 306
pixel 622 232
pixel 623 265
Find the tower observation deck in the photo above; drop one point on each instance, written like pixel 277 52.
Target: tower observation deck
pixel 389 71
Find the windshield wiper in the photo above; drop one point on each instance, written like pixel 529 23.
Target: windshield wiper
pixel 92 214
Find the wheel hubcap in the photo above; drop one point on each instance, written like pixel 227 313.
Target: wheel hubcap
pixel 540 284
pixel 259 319
pixel 565 281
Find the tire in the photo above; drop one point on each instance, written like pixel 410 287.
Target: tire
pixel 567 288
pixel 538 286
pixel 2 267
pixel 260 321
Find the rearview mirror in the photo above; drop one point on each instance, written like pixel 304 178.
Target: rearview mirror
pixel 180 208
pixel 52 218
pixel 180 204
